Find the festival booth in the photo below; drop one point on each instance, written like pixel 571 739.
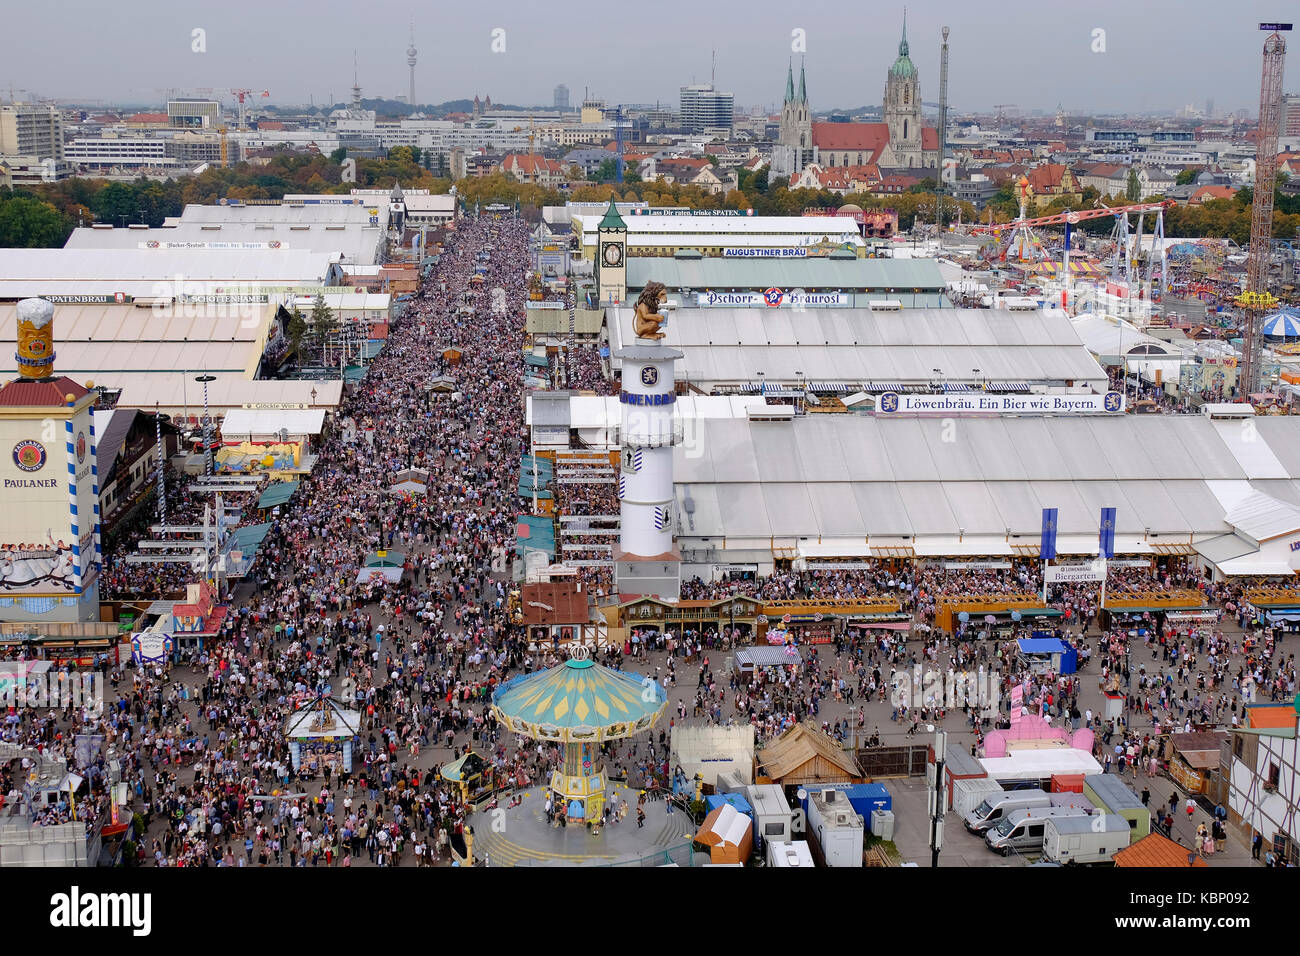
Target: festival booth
pixel 178 626
pixel 955 609
pixel 533 533
pixel 382 566
pixel 1193 758
pixel 729 835
pixel 276 494
pixel 558 612
pixel 1143 606
pixel 241 549
pixel 818 621
pixel 738 612
pixel 321 735
pixel 1275 607
pixel 72 643
pixel 410 481
pixel 751 660
pixel 1048 655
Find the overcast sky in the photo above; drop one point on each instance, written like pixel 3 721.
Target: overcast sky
pixel 1159 54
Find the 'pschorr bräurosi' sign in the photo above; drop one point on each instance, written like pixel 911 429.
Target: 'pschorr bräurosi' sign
pixel 891 403
pixel 775 298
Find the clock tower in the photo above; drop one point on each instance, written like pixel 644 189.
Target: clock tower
pixel 611 257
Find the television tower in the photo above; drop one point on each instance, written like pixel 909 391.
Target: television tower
pixel 1256 300
pixel 410 61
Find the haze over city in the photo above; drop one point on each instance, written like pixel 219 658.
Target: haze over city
pixel 1158 56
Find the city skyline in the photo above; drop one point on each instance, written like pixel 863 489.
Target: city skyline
pixel 1121 69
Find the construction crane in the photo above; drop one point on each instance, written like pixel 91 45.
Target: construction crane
pixel 1256 300
pixel 225 153
pixel 240 95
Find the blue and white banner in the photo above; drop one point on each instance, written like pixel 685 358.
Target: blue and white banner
pixel 1107 541
pixel 1047 547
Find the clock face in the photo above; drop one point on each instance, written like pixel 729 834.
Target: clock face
pixel 613 253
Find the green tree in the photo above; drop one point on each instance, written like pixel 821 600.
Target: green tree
pixel 323 321
pixel 1186 177
pixel 296 330
pixel 338 155
pixel 607 171
pixel 30 223
pixel 1133 189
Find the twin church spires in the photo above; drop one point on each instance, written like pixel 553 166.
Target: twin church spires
pixel 901 111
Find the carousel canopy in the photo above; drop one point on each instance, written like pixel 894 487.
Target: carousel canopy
pixel 1282 325
pixel 579 701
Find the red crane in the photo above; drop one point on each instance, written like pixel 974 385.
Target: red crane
pixel 240 94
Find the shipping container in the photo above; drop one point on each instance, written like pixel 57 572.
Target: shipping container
pixel 1067 783
pixel 967 794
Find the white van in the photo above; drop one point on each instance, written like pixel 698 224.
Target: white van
pixel 996 807
pixel 1024 830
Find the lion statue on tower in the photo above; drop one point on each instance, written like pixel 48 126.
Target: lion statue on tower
pixel 648 318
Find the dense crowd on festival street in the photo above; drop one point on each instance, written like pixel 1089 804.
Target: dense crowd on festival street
pixel 202 743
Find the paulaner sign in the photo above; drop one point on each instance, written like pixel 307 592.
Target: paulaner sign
pixel 891 403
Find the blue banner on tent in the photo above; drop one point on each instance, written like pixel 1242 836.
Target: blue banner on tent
pixel 1047 549
pixel 1107 532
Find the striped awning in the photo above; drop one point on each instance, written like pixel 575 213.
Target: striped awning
pixel 1007 387
pixel 836 387
pixel 958 387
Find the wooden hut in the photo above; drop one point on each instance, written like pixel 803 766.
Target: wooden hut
pixel 803 754
pixel 1193 757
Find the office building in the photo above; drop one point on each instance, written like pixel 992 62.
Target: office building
pixel 34 131
pixel 704 108
pixel 193 114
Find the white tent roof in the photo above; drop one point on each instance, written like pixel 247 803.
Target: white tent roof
pixel 855 346
pixel 268 421
pixel 1037 764
pixel 153 272
pixel 846 476
pixel 173 392
pixel 1263 517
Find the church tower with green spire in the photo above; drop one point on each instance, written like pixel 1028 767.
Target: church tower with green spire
pixel 796 121
pixel 902 108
